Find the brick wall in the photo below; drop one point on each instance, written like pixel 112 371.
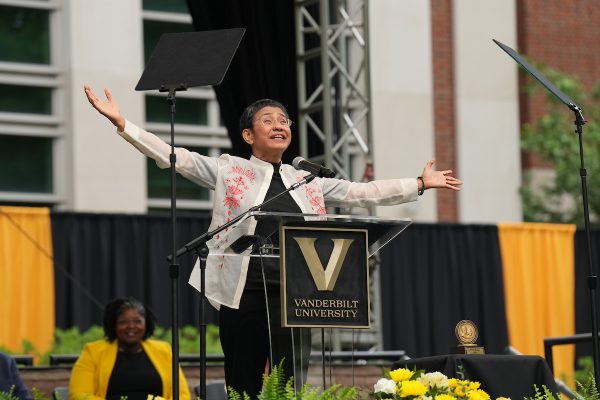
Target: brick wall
pixel 443 103
pixel 365 376
pixel 564 35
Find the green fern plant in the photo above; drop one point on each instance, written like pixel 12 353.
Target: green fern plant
pixel 274 384
pixel 588 389
pixel 233 395
pixel 36 394
pixel 8 395
pixel 543 394
pixel 277 387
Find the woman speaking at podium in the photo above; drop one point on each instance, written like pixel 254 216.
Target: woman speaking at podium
pixel 237 286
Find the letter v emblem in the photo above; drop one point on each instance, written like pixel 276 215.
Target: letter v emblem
pixel 324 278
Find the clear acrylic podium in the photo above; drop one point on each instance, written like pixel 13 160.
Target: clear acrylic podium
pixel 376 233
pixel 234 242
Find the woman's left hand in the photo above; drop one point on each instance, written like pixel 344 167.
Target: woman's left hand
pixel 439 179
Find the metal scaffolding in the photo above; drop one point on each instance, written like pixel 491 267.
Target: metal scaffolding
pixel 332 42
pixel 334 108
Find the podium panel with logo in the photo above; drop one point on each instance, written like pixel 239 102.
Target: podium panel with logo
pixel 323 263
pixel 324 276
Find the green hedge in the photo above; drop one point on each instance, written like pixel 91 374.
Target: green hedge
pixel 71 341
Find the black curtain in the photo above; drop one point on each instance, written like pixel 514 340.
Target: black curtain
pixel 102 256
pixel 264 65
pixel 433 276
pixel 583 316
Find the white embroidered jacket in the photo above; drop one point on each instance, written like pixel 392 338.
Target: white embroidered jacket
pixel 240 184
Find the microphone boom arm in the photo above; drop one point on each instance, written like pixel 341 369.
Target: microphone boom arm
pixel 202 239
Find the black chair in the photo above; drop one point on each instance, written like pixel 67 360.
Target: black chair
pixel 215 390
pixel 23 359
pixel 63 359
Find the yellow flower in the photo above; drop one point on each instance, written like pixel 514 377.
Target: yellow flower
pixel 444 397
pixel 459 391
pixel 474 385
pixel 503 398
pixel 478 394
pixel 401 374
pixel 412 388
pixel 452 382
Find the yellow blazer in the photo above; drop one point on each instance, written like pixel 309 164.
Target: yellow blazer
pixel 90 375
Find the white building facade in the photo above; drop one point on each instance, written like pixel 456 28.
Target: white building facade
pixel 59 152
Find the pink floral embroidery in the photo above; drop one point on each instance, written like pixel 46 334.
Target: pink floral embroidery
pixel 230 202
pixel 247 172
pixel 314 193
pixel 236 185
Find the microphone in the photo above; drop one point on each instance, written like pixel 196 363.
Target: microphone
pixel 315 169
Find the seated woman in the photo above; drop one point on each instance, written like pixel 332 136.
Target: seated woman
pixel 126 363
pixel 10 378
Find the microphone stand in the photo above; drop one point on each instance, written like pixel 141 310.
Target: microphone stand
pixel 592 279
pixel 199 246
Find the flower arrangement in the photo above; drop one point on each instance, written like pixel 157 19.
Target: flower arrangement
pixel 403 383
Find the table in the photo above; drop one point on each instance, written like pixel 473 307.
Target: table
pixel 499 375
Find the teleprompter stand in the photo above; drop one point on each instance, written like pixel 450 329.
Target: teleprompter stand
pixel 181 61
pixel 579 122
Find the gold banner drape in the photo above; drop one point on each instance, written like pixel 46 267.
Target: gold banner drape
pixel 539 284
pixel 27 278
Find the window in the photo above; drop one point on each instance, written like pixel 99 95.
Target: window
pixel 198 123
pixel 153 30
pixel 159 182
pixel 30 120
pixel 26 164
pixel 24 35
pixel 26 99
pixel 175 6
pixel 188 110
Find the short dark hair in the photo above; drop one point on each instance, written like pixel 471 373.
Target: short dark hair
pixel 249 113
pixel 116 307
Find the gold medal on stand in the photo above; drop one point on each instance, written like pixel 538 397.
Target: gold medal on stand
pixel 466 334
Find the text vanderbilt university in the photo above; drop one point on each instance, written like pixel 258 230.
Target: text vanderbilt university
pixel 336 308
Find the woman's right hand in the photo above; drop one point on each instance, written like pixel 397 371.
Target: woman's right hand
pixel 108 108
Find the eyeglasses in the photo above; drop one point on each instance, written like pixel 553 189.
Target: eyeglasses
pixel 269 120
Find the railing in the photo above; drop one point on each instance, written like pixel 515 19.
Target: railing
pixel 70 359
pixel 558 340
pixel 360 357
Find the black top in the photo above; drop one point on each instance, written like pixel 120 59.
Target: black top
pixel 265 227
pixel 133 376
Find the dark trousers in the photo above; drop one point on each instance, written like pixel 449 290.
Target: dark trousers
pixel 245 341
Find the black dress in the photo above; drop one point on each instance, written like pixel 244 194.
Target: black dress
pixel 133 376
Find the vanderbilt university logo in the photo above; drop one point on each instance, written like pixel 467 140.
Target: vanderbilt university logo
pixel 324 277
